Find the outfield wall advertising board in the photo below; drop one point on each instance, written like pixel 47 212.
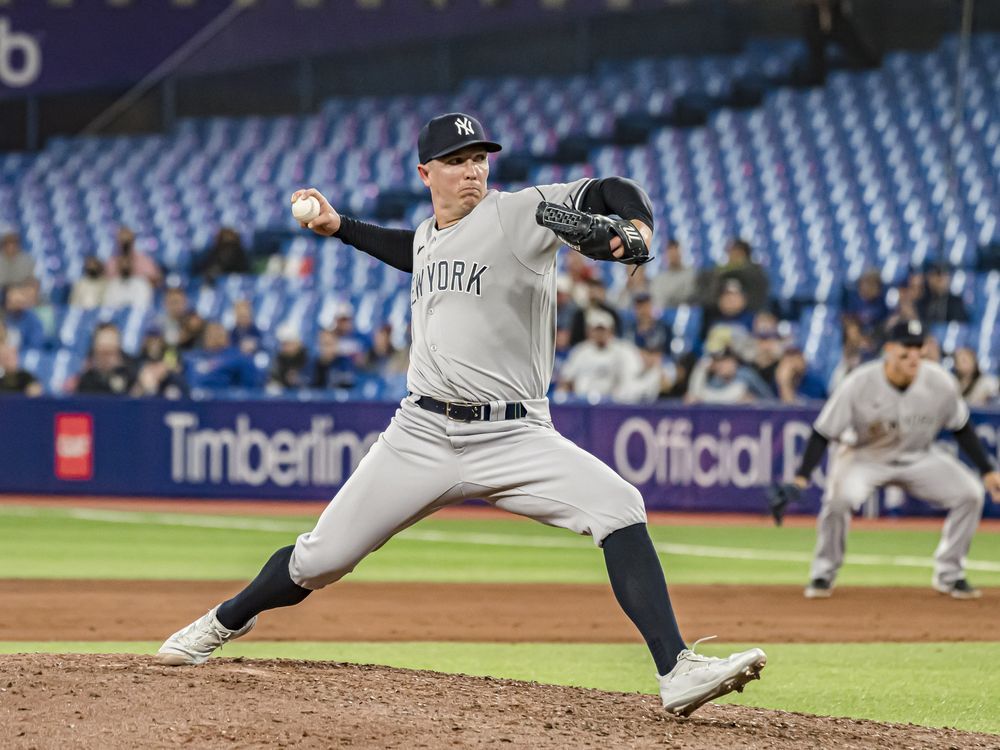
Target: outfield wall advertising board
pixel 681 458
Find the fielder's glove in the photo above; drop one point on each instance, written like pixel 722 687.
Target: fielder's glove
pixel 591 234
pixel 778 498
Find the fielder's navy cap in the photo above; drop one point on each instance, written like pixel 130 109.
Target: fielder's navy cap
pixel 450 132
pixel 907 333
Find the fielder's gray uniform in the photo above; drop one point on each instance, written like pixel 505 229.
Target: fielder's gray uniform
pixel 483 314
pixel 890 440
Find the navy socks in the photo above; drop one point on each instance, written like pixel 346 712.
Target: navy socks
pixel 273 587
pixel 641 590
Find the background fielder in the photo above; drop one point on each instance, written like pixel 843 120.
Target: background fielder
pixel 887 415
pixel 476 422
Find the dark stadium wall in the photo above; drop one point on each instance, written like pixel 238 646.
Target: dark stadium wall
pixel 217 81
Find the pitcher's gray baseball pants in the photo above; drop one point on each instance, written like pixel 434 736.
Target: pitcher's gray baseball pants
pixel 425 461
pixel 937 478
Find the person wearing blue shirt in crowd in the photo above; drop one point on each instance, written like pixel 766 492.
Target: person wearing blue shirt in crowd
pixel 350 343
pixel 795 381
pixel 245 335
pixel 218 366
pixel 646 330
pixel 866 304
pixel 330 368
pixel 24 328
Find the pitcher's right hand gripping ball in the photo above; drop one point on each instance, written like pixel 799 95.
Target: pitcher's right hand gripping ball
pixel 778 498
pixel 591 234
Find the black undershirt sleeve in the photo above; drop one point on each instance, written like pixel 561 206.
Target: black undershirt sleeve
pixel 391 246
pixel 970 443
pixel 617 195
pixel 812 455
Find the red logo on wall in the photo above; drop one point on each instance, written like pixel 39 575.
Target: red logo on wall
pixel 74 446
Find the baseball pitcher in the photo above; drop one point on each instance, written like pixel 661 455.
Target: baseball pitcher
pixel 476 422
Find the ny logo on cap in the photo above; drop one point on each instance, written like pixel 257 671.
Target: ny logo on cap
pixel 914 328
pixel 464 126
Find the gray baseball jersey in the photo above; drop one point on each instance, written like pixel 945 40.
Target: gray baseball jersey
pixel 483 300
pixel 483 309
pixel 889 424
pixel 888 439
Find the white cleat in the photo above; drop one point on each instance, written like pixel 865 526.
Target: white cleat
pixel 698 679
pixel 195 643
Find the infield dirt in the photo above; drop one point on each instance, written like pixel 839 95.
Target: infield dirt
pixel 81 610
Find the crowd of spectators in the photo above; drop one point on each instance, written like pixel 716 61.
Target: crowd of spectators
pixel 609 346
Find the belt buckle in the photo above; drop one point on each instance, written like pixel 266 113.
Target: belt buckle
pixel 477 410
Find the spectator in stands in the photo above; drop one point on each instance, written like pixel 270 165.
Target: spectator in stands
pixel 245 335
pixel 580 272
pixel 653 379
pixel 289 370
pixel 827 22
pixel 795 380
pixel 566 306
pixel 647 331
pixel 140 264
pixel 88 290
pixel 596 300
pixel 109 371
pixel 931 350
pixel 16 266
pixel 350 343
pixel 330 368
pixel 866 304
pixel 225 255
pixel 24 328
pixel 171 321
pixel 675 285
pixel 192 331
pixel 858 347
pixel 159 369
pixel 732 313
pixel 978 388
pixel 720 378
pixel 127 289
pixel 602 366
pixel 741 267
pixel 563 348
pixel 383 358
pixel 768 347
pixel 938 304
pixel 13 379
pixel 636 285
pixel 3 332
pixel 217 366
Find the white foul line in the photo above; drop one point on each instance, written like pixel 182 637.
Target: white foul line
pixel 473 538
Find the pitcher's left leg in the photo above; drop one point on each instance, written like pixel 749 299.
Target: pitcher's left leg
pixel 548 478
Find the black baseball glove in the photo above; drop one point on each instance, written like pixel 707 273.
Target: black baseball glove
pixel 591 234
pixel 778 498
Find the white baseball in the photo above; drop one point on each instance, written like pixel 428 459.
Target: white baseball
pixel 306 209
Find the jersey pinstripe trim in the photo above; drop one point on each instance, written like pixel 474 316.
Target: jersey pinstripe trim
pixel 578 198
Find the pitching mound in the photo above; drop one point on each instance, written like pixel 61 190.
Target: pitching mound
pixel 123 701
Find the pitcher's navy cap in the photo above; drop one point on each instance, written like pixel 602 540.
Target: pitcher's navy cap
pixel 450 132
pixel 907 333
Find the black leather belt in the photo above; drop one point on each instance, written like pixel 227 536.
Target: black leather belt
pixel 461 411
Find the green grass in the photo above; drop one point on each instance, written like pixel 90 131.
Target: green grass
pixel 57 543
pixel 932 684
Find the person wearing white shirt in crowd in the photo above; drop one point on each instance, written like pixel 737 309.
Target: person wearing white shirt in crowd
pixel 88 290
pixel 127 289
pixel 675 284
pixel 601 366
